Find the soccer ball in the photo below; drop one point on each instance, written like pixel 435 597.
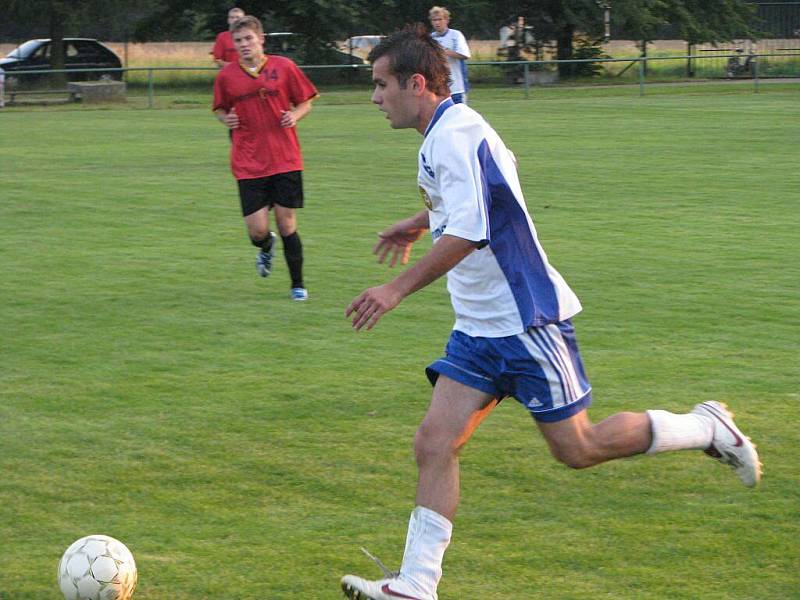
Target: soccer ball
pixel 97 567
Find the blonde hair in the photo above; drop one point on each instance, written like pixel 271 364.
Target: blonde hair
pixel 438 10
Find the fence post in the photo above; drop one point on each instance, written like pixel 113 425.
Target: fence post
pixel 642 67
pixel 150 99
pixel 527 83
pixel 755 72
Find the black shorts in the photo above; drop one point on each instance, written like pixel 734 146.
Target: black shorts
pixel 284 189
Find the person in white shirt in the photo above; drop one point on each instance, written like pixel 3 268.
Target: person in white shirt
pixel 513 334
pixel 2 88
pixel 455 48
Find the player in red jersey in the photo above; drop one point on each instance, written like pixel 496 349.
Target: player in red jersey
pixel 260 99
pixel 224 51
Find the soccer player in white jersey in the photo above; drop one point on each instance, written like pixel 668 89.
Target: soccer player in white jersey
pixel 455 48
pixel 512 335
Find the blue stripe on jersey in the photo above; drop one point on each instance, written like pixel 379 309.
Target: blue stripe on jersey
pixel 438 114
pixel 515 248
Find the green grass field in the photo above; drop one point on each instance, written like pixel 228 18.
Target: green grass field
pixel 153 388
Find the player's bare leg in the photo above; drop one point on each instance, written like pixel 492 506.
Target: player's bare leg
pixel 286 220
pixel 578 443
pixel 453 415
pixel 709 427
pixel 260 235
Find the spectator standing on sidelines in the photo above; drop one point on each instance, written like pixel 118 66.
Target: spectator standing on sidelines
pixel 260 99
pixel 455 48
pixel 513 334
pixel 224 51
pixel 2 88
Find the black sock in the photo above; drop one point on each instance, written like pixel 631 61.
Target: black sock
pixel 293 253
pixel 265 244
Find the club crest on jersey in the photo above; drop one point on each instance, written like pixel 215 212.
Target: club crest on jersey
pixel 426 200
pixel 426 167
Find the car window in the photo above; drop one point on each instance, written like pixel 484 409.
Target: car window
pixel 70 51
pixel 85 49
pixel 24 50
pixel 90 50
pixel 42 53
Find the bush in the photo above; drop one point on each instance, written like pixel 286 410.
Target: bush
pixel 588 49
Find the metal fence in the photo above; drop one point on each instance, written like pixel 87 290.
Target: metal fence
pixel 149 83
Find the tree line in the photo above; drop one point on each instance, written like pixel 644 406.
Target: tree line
pixel 319 23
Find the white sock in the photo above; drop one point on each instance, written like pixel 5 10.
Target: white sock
pixel 426 541
pixel 679 432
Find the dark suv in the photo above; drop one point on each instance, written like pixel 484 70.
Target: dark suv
pixel 79 53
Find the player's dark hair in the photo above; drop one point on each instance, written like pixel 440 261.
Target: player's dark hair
pixel 412 50
pixel 248 22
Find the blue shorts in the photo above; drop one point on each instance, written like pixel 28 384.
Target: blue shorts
pixel 541 368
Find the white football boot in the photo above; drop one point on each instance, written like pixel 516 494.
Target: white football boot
pixel 729 445
pixel 357 588
pixel 391 587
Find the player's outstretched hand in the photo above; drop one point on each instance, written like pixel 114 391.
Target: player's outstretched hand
pixel 397 241
pixel 370 306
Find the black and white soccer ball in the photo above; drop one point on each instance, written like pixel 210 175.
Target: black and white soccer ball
pixel 97 567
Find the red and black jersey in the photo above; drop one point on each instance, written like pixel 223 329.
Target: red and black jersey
pixel 224 48
pixel 261 147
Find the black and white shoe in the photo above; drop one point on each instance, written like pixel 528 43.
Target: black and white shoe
pixel 264 258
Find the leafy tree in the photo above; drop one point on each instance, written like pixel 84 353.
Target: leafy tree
pixel 181 20
pixel 587 49
pixel 552 20
pixel 52 14
pixel 56 19
pixel 320 22
pixel 696 21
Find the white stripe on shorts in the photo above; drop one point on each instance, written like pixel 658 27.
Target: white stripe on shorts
pixel 565 359
pixel 547 347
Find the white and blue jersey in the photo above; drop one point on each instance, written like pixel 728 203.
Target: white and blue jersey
pixel 512 335
pixel 454 40
pixel 470 184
